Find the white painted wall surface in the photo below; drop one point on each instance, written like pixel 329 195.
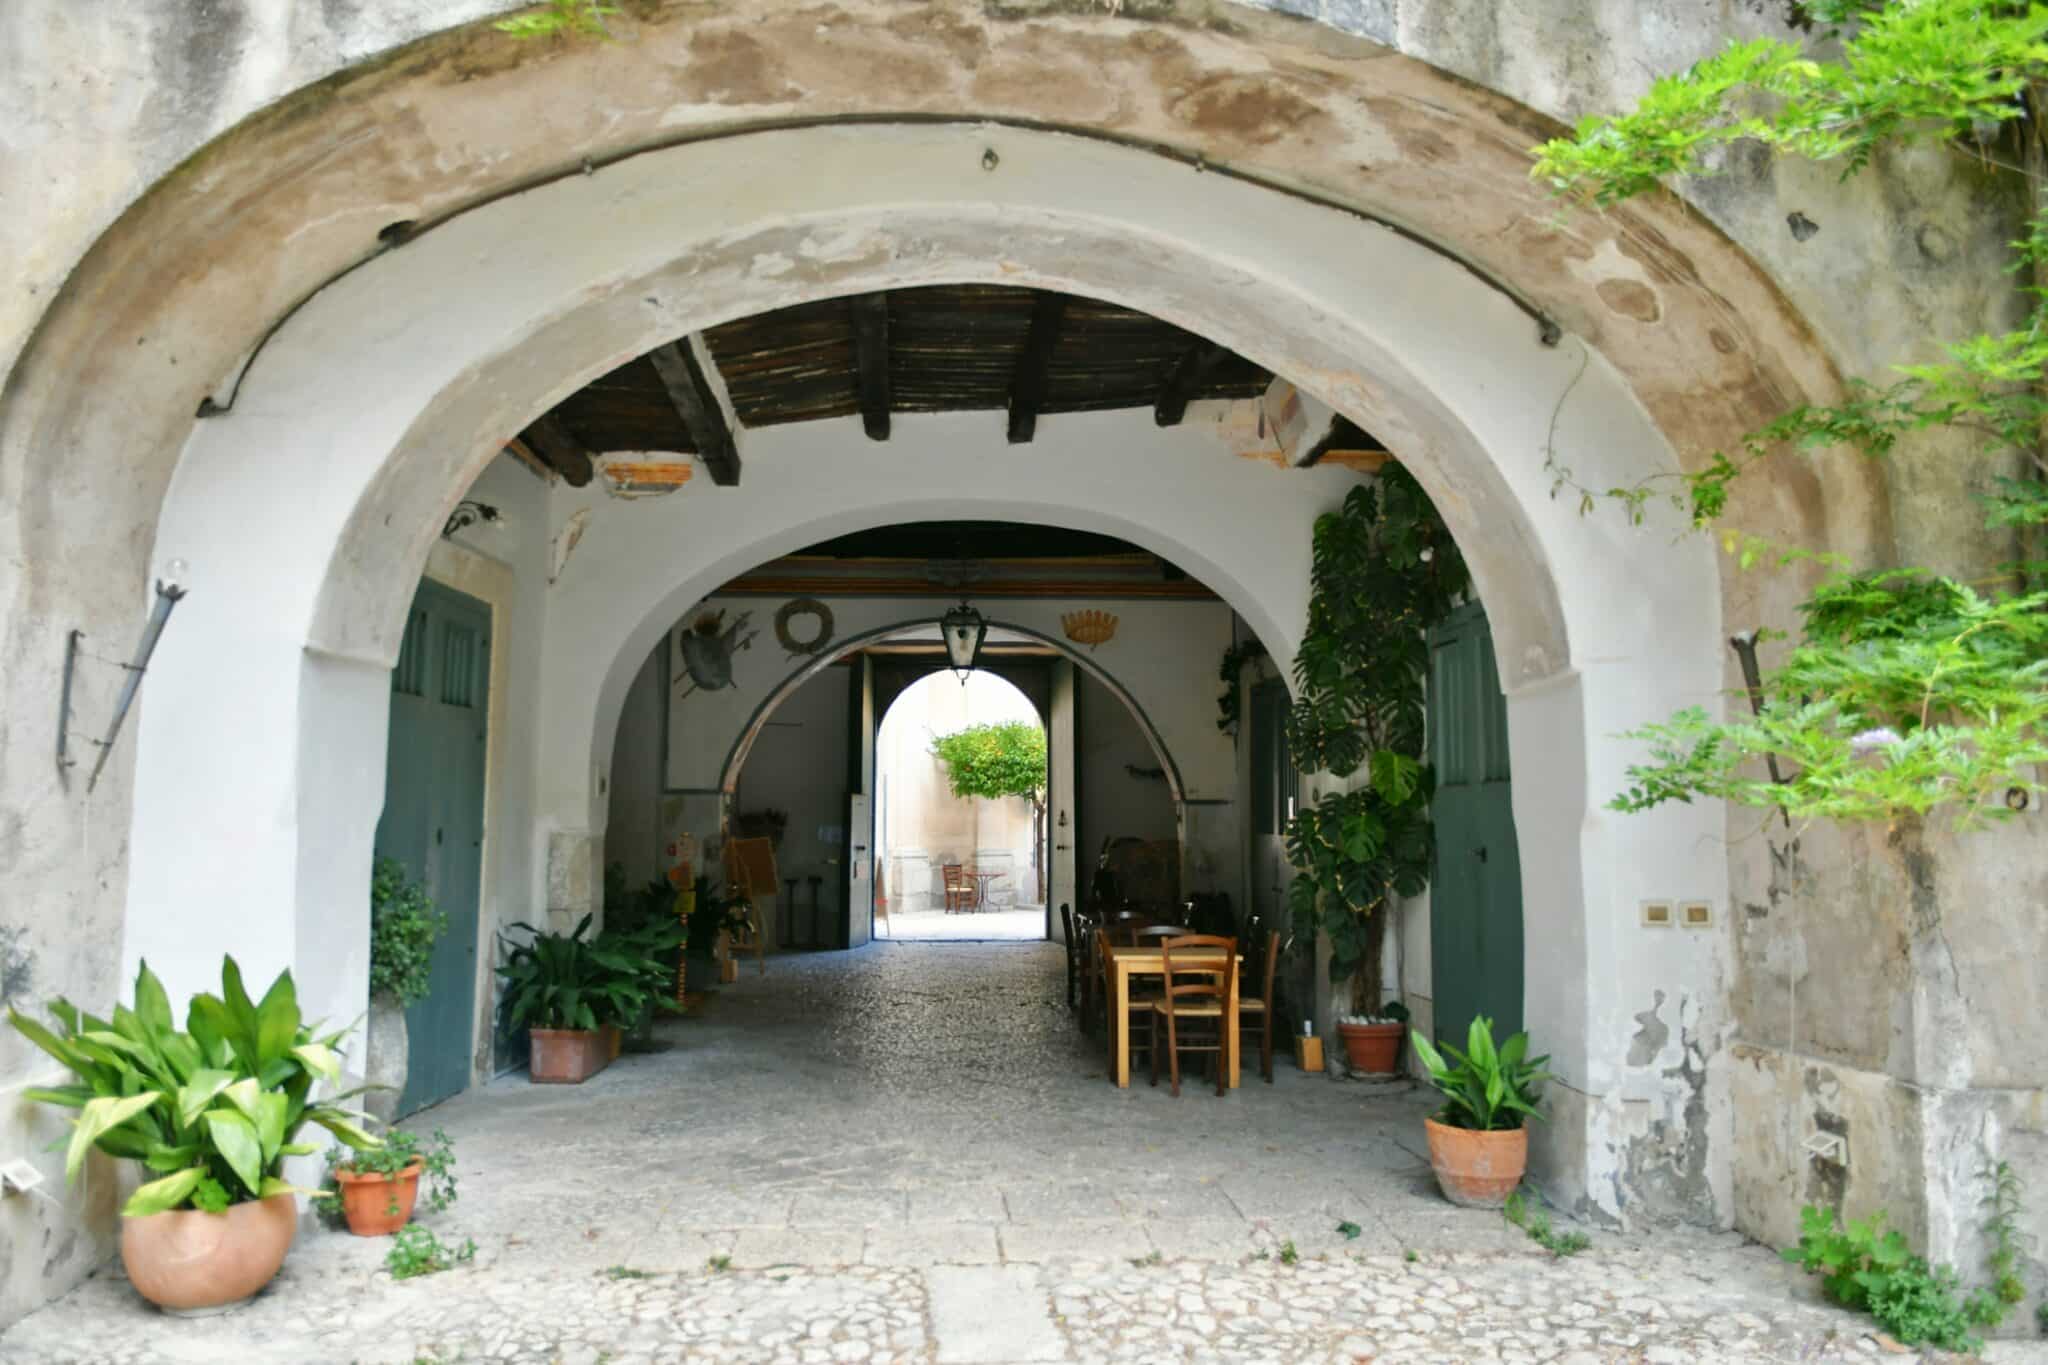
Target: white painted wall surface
pixel 1115 804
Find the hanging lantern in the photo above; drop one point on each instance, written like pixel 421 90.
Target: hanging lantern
pixel 964 629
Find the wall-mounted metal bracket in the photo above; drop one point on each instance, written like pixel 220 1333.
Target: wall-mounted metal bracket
pixel 168 594
pixel 1825 1146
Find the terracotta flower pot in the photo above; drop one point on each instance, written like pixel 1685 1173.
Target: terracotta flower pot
pixel 1373 1048
pixel 376 1204
pixel 186 1261
pixel 1477 1169
pixel 566 1056
pixel 614 1041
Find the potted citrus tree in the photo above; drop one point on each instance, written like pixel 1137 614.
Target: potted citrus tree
pixel 404 926
pixel 211 1111
pixel 1478 1144
pixel 378 1187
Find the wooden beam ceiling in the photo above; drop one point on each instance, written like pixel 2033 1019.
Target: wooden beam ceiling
pixel 1189 374
pixel 548 439
pixel 697 405
pixel 1027 387
pixel 871 358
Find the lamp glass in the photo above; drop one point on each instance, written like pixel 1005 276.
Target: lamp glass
pixel 963 628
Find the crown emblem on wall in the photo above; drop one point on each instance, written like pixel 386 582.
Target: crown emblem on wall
pixel 1088 628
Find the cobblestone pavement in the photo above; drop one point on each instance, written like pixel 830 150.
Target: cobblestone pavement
pixel 908 1153
pixel 1018 924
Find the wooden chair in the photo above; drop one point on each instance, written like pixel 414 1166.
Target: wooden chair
pixel 1138 1009
pixel 1195 991
pixel 959 887
pixel 1256 1012
pixel 1073 955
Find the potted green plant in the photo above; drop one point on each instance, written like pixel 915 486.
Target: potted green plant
pixel 377 1188
pixel 1384 568
pixel 1478 1145
pixel 562 993
pixel 404 926
pixel 212 1111
pixel 1372 1042
pixel 712 914
pixel 639 978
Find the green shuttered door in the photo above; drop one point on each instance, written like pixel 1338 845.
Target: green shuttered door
pixel 1475 918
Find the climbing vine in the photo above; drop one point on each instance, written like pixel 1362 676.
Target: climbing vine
pixel 1907 692
pixel 1384 570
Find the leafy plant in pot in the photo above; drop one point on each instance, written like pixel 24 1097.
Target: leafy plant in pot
pixel 212 1110
pixel 377 1188
pixel 1384 568
pixel 711 914
pixel 640 963
pixel 563 990
pixel 404 927
pixel 1478 1145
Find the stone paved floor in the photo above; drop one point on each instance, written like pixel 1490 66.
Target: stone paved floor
pixel 1020 924
pixel 907 1153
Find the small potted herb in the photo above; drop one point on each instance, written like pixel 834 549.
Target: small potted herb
pixel 377 1188
pixel 404 926
pixel 1477 1144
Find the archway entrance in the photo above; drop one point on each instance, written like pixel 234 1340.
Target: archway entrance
pixel 1405 363
pixel 954 865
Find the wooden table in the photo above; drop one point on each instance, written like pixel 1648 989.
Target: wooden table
pixel 1146 960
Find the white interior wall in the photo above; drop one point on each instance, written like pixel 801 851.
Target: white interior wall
pixel 1115 804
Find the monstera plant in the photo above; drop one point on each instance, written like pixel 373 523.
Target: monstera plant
pixel 211 1110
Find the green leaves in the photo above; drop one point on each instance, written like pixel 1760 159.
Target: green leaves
pixel 1384 570
pixel 993 761
pixel 1484 1087
pixel 1865 1265
pixel 404 927
pixel 212 1111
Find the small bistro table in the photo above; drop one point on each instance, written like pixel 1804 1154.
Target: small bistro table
pixel 1146 960
pixel 982 880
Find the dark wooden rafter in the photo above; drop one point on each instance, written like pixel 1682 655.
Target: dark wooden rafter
pixel 1027 387
pixel 1189 374
pixel 871 356
pixel 1348 444
pixel 697 405
pixel 550 440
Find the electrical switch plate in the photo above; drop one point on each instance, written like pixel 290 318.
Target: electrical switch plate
pixel 1657 914
pixel 1696 914
pixel 19 1177
pixel 1828 1147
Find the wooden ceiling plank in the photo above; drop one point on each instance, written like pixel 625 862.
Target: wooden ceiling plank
pixel 1193 368
pixel 871 356
pixel 1027 389
pixel 691 393
pixel 550 440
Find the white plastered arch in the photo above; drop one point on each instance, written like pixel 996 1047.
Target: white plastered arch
pixel 308 510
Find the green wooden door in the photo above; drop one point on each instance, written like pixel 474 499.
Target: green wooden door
pixel 1475 898
pixel 433 819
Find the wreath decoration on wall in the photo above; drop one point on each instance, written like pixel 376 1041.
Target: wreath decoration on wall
pixel 803 606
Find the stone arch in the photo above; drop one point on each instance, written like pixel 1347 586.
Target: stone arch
pixel 1384 153
pixel 736 756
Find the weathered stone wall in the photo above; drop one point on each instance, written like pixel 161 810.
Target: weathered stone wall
pixel 1883 981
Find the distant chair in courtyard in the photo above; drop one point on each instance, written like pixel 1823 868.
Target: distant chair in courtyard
pixel 960 893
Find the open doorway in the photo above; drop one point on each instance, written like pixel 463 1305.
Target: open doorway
pixel 960 799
